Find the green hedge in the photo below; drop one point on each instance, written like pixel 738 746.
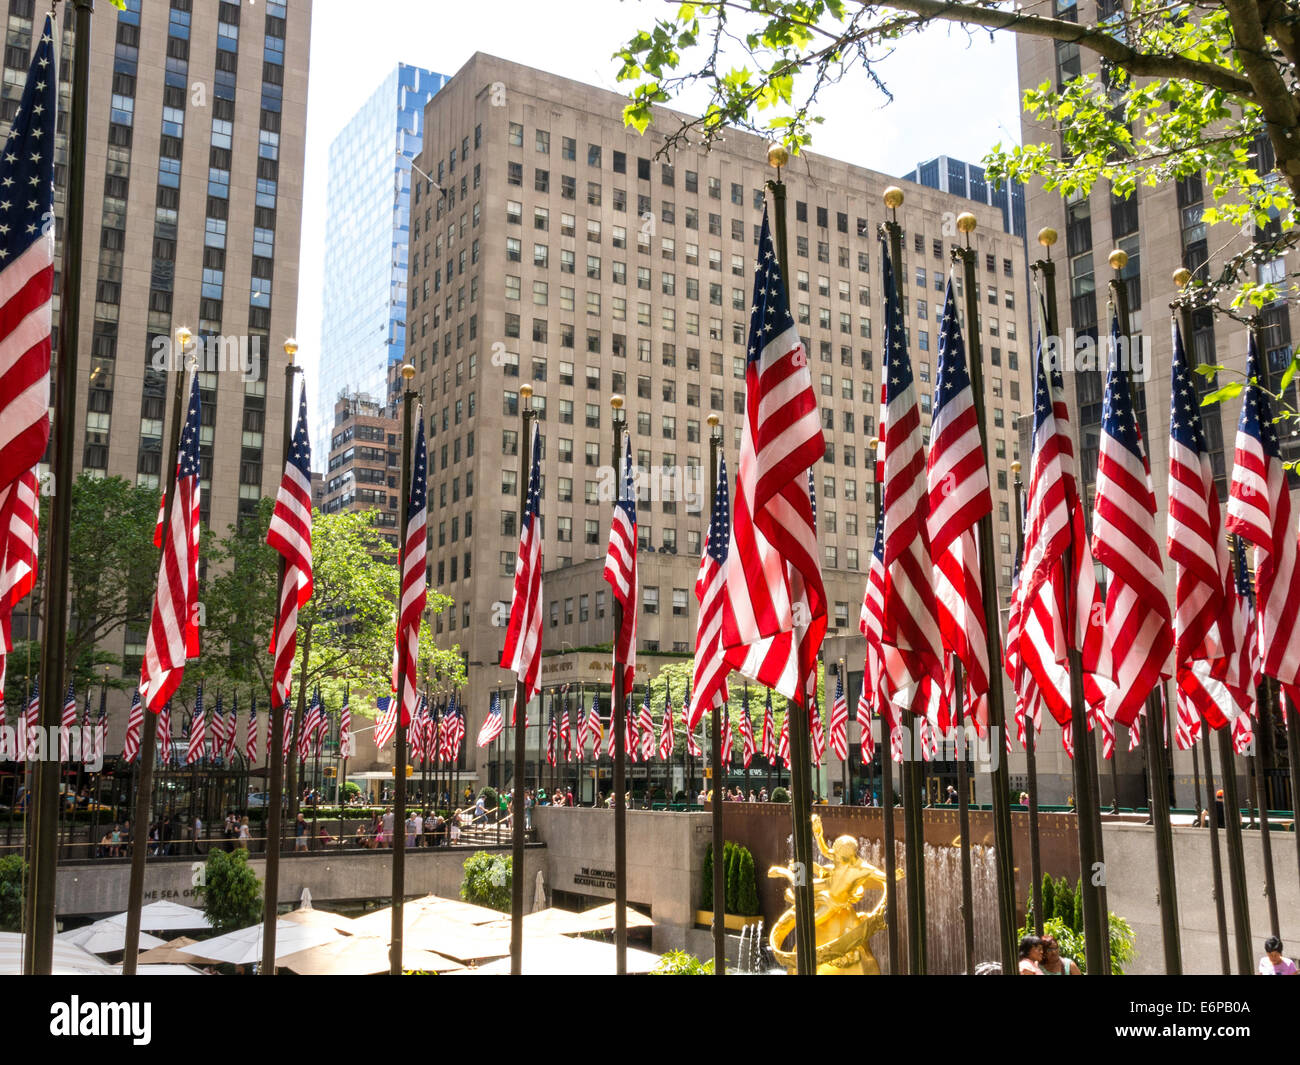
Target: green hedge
pixel 741 891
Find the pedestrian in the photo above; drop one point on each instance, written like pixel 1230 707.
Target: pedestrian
pixel 762 794
pixel 300 834
pixel 1053 964
pixel 410 832
pixel 478 807
pixel 1031 955
pixel 455 828
pixel 198 834
pixel 952 795
pixel 1024 799
pixel 568 796
pixel 389 834
pixel 1273 963
pixel 244 834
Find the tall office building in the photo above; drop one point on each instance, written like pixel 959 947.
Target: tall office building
pixel 1161 229
pixel 192 216
pixel 363 315
pixel 562 252
pixel 968 180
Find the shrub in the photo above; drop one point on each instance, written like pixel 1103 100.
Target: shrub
pixel 351 789
pixel 679 963
pixel 487 880
pixel 780 795
pixel 13 870
pixel 741 889
pixel 747 889
pixel 231 892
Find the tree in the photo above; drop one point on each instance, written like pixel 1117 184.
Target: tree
pixel 231 891
pixel 13 871
pixel 1183 89
pixel 347 629
pixel 487 880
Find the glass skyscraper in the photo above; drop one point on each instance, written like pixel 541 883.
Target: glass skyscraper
pixel 363 320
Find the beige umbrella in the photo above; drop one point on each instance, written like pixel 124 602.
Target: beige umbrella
pixel 362 956
pixel 379 922
pixel 569 923
pixel 321 919
pixel 170 953
pixel 244 947
pixel 562 956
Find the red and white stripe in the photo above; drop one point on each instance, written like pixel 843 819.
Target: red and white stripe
pixel 522 652
pixel 19 542
pixel 711 668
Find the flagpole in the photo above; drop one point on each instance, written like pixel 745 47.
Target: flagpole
pixel 149 731
pixel 275 729
pixel 715 736
pixel 395 948
pixel 998 771
pixel 618 720
pixel 1216 861
pixel 1157 755
pixel 913 819
pixel 39 925
pixel 886 755
pixel 1265 694
pixel 796 712
pixel 1031 741
pixel 963 814
pixel 520 712
pixel 1087 814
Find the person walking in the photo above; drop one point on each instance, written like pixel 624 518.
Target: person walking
pixel 245 835
pixel 1273 963
pixel 300 834
pixel 197 835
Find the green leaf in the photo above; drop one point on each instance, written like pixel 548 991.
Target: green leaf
pixel 1228 391
pixel 1289 372
pixel 1207 370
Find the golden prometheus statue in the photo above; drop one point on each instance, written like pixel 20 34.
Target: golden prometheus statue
pixel 842 932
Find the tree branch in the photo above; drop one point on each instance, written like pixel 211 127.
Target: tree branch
pixel 1140 64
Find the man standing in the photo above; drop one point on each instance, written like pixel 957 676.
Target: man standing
pixel 198 834
pixel 300 834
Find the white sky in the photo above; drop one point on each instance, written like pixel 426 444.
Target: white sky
pixel 954 94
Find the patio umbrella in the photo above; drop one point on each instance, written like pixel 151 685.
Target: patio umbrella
pixel 104 937
pixel 170 953
pixel 69 959
pixel 244 947
pixel 165 916
pixel 562 956
pixel 321 919
pixel 379 922
pixel 363 956
pixel 569 923
pixel 162 970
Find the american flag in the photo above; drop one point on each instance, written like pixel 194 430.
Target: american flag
pixel 101 726
pixel 433 727
pixel 174 629
pixel 866 738
pixel 493 725
pixel 32 719
pixel 913 646
pixel 769 730
pixel 1243 734
pixel 1245 669
pixel 345 724
pixel 134 722
pixel 198 739
pixel 457 732
pixel 419 733
pixel 290 535
pixel 218 730
pixel 414 575
pixel 816 733
pixel 710 590
pixel 620 566
pixel 774 612
pixel 523 646
pixel 1203 608
pixel 1100 720
pixel 307 729
pixel 551 736
pixel 666 739
pixel 286 713
pixel 387 723
pixel 631 746
pixel 250 734
pixel 1054 525
pixel 647 727
pixel 68 721
pixel 19 512
pixel 1135 730
pixel 164 732
pixel 783 743
pixel 1259 511
pixel 232 724
pixel 27 269
pixel 840 720
pixel 1139 625
pixel 566 727
pixel 594 725
pixel 725 737
pixel 581 737
pixel 692 745
pixel 957 483
pixel 871 623
pixel 746 732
